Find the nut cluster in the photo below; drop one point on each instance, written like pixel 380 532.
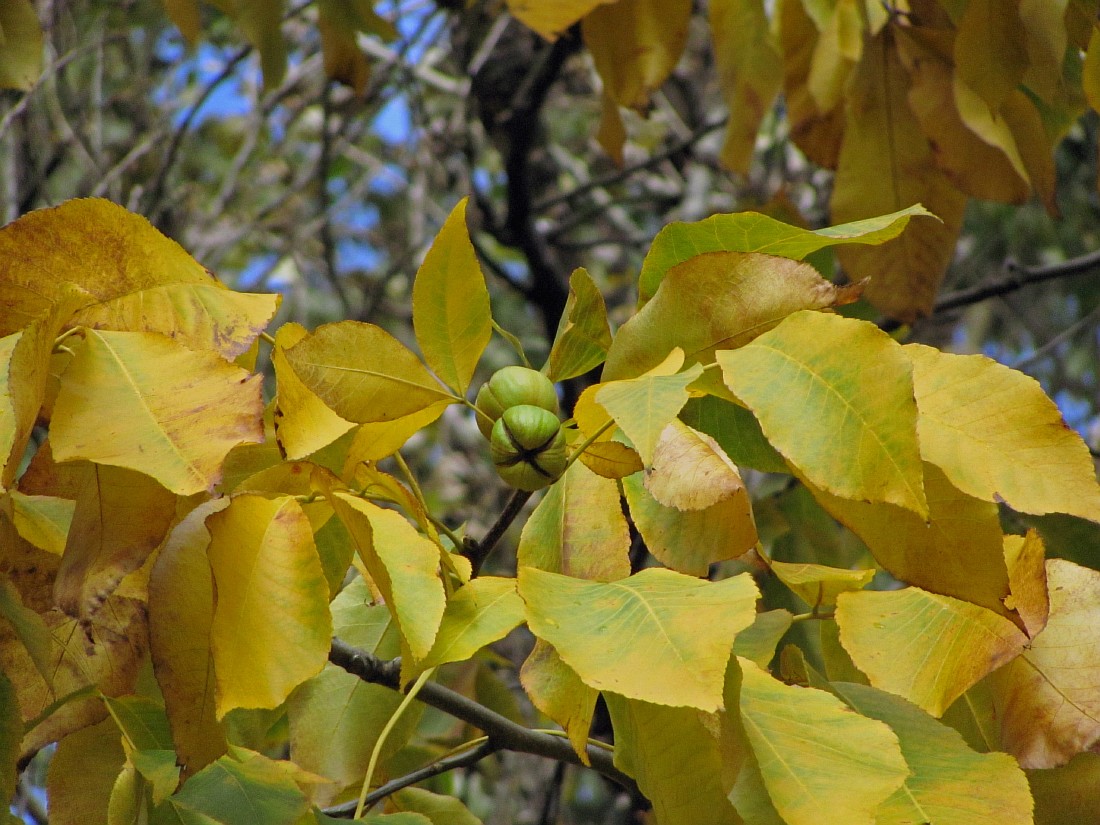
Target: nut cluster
pixel 526 441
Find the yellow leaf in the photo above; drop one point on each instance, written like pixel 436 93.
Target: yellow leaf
pixel 948 782
pixel 605 457
pixel 996 435
pixel 403 564
pixel 692 540
pixel 817 368
pixel 611 133
pixel 261 23
pixel 635 44
pixel 690 471
pixel 815 755
pixel 338 23
pixel 1048 699
pixel 583 335
pixel 478 613
pixel 375 441
pixel 816 133
pixel 364 373
pixel 303 423
pixel 557 691
pixel 886 163
pixel 836 50
pixel 181 612
pixel 750 70
pixel 1027 581
pixel 975 166
pixel 1090 72
pixel 185 14
pixel 120 518
pixel 551 19
pixel 82 773
pixel 658 636
pixel 682 774
pixel 713 301
pixel 818 585
pixel 928 648
pixel 140 401
pixel 578 529
pixel 20 45
pixel 42 520
pixel 991 49
pixel 956 551
pixel 451 304
pixel 271 628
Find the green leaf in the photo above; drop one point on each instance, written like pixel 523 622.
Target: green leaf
pixel 578 529
pixel 948 782
pixel 736 430
pixel 160 769
pixel 583 335
pixel 758 641
pixel 20 45
pixel 438 808
pixel 451 304
pixel 142 721
pixel 815 369
pixel 681 773
pixel 815 755
pixel 644 406
pixel 477 614
pixel 403 565
pixel 818 585
pixel 753 232
pixel 1068 795
pixel 141 401
pixel 997 435
pixel 271 629
pixel 364 373
pixel 234 792
pixel 43 520
pixel 261 22
pixel 927 648
pixel 714 301
pixel 658 636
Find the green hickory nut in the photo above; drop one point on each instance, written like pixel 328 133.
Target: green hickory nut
pixel 528 447
pixel 510 387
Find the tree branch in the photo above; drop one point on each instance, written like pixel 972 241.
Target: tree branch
pixel 478 551
pixel 503 733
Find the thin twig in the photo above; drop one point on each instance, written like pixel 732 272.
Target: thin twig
pixel 478 551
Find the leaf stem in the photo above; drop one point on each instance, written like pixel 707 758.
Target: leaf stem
pixel 588 442
pixel 813 615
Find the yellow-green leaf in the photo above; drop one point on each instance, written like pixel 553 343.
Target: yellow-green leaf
pixel 403 565
pixel 996 435
pixel 20 45
pixel 658 636
pixel 42 520
pixel 635 44
pixel 364 373
pixel 578 529
pixel 750 69
pixel 551 19
pixel 682 774
pixel 927 648
pixel 583 335
pixel 82 773
pixel 271 628
pixel 887 163
pixel 690 472
pixel 948 782
pixel 807 383
pixel 608 458
pixel 303 422
pixel 736 430
pixel 1048 699
pixel 1090 73
pixel 261 22
pixel 815 755
pixel 991 49
pixel 716 300
pixel 439 809
pixel 451 304
pixel 338 23
pixel 11 732
pixel 1068 795
pixel 141 401
pixel 1027 580
pixel 557 691
pixel 478 613
pixel 818 585
pixel 689 541
pixel 181 612
pixel 757 642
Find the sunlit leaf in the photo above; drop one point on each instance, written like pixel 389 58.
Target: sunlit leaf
pixel 689 541
pixel 815 368
pixel 681 774
pixel 689 471
pixel 271 628
pixel 1048 699
pixel 583 335
pixel 635 44
pixel 550 20
pixel 658 636
pixel 927 648
pixel 814 754
pixel 608 458
pixel 140 401
pixel 713 301
pixel 378 440
pixel 818 585
pixel 478 613
pixel 42 520
pixel 181 612
pixel 364 373
pixel 557 691
pixel 948 782
pixel 886 163
pixel 451 304
pixel 996 435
